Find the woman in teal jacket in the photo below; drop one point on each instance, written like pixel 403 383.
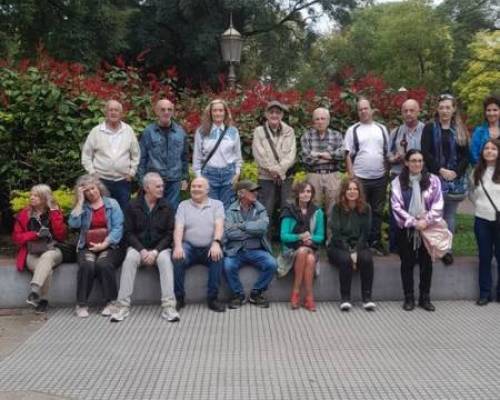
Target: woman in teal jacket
pixel 302 232
pixel 489 129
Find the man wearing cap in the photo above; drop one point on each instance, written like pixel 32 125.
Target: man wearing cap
pixel 322 150
pixel 274 150
pixel 245 242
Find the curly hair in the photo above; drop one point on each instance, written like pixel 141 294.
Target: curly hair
pixel 89 179
pixel 206 117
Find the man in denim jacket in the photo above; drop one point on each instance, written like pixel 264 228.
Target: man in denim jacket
pixel 164 149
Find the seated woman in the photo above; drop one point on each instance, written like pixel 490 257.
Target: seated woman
pixel 100 220
pixel 36 229
pixel 417 202
pixel 350 224
pixel 302 232
pixel 485 194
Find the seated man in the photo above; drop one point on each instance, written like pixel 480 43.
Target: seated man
pixel 149 223
pixel 245 233
pixel 199 226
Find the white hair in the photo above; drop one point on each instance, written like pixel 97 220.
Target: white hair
pixel 146 180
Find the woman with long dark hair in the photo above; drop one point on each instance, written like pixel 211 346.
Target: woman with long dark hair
pixel 302 232
pixel 350 224
pixel 489 129
pixel 485 194
pixel 417 203
pixel 446 154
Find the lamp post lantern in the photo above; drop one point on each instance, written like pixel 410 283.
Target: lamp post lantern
pixel 231 43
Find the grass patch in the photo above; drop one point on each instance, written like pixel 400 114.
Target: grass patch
pixel 464 241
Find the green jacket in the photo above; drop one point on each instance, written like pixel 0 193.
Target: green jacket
pixel 350 230
pixel 288 224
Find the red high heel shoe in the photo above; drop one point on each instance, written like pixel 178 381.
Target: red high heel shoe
pixel 309 303
pixel 295 300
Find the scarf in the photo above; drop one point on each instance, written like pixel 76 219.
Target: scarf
pixel 416 207
pixel 452 161
pixel 303 220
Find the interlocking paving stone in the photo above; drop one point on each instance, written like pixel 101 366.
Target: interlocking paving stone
pixel 265 354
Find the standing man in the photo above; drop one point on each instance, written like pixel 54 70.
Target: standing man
pixel 245 232
pixel 164 149
pixel 149 225
pixel 199 226
pixel 322 150
pixel 111 152
pixel 367 147
pixel 274 150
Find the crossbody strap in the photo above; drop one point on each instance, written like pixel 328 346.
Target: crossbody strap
pixel 214 149
pixel 273 149
pixel 487 195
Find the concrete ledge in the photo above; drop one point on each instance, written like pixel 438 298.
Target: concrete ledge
pixel 456 282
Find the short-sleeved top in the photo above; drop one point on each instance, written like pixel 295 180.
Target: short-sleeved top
pixel 369 162
pixel 199 221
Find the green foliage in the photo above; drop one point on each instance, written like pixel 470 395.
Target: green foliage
pixel 63 196
pixel 249 171
pixel 464 241
pixel 481 76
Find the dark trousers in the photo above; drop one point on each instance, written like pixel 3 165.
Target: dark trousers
pixel 409 257
pixel 488 243
pixel 100 266
pixel 376 193
pixel 341 258
pixel 119 190
pixel 274 197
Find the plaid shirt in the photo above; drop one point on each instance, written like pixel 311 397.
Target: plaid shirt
pixel 332 142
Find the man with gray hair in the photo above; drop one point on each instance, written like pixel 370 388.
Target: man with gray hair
pixel 322 151
pixel 111 151
pixel 149 224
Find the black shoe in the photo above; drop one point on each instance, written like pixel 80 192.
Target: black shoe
pixel 447 259
pixel 42 307
pixel 378 249
pixel 214 305
pixel 236 301
pixel 33 299
pixel 482 301
pixel 409 304
pixel 180 303
pixel 498 298
pixel 258 299
pixel 426 304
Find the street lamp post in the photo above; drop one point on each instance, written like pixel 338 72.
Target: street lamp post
pixel 230 44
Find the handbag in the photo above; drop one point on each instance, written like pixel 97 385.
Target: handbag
pixel 96 235
pixel 497 213
pixel 39 246
pixel 437 239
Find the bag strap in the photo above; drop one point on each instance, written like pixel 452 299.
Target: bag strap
pixel 487 195
pixel 214 149
pixel 271 144
pixel 355 140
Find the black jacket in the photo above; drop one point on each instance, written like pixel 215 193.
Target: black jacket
pixel 149 230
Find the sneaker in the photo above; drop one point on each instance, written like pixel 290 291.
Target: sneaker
pixel 379 249
pixel 42 307
pixel 170 314
pixel 447 259
pixel 82 311
pixel 33 299
pixel 215 305
pixel 120 314
pixel 258 299
pixel 180 303
pixel 236 301
pixel 109 310
pixel 369 305
pixel 345 306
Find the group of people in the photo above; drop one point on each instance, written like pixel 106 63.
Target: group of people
pixel 227 222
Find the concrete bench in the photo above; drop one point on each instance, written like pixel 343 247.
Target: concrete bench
pixel 456 282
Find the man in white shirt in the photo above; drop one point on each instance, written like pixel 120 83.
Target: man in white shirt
pixel 111 151
pixel 366 144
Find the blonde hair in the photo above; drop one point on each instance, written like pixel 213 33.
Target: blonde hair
pixel 44 192
pixel 89 179
pixel 206 117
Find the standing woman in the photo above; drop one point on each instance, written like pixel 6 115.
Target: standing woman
pixel 485 194
pixel 417 202
pixel 446 154
pixel 350 225
pixel 36 229
pixel 100 220
pixel 489 129
pixel 302 232
pixel 217 151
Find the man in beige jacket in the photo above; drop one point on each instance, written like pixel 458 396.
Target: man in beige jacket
pixel 112 152
pixel 274 150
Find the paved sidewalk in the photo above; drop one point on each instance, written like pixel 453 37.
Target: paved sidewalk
pixel 264 354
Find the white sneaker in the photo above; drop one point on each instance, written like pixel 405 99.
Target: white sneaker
pixel 345 306
pixel 170 314
pixel 82 312
pixel 120 314
pixel 109 310
pixel 369 306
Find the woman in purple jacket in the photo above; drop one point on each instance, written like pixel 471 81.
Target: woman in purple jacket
pixel 417 202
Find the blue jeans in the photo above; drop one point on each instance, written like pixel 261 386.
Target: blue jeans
pixel 261 259
pixel 172 193
pixel 488 243
pixel 119 190
pixel 220 181
pixel 197 255
pixel 450 211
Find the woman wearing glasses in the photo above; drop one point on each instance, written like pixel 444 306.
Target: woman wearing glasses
pixel 446 154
